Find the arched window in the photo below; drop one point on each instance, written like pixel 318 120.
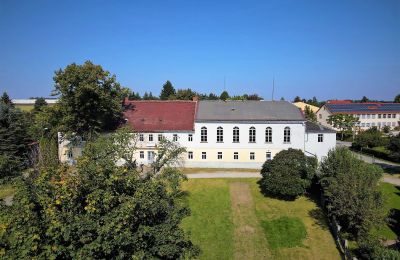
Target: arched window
pixel 252 134
pixel 268 135
pixel 204 134
pixel 220 134
pixel 236 134
pixel 286 135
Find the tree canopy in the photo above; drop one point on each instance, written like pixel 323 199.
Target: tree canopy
pixel 167 91
pixel 359 209
pixel 288 175
pixel 14 139
pixel 344 122
pixel 97 210
pixel 397 99
pixel 224 95
pixel 90 99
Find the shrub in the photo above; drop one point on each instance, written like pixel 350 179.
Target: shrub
pixel 394 147
pixel 288 175
pixel 351 188
pixel 369 138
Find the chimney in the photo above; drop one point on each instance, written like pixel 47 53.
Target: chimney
pixel 195 98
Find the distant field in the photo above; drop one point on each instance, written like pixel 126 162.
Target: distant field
pixel 25 107
pixel 231 219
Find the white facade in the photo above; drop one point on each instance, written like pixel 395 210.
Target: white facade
pixel 230 153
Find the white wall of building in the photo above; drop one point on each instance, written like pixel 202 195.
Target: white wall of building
pixel 317 147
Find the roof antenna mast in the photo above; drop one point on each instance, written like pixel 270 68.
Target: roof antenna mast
pixel 273 87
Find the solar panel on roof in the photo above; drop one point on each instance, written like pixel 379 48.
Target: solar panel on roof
pixel 364 107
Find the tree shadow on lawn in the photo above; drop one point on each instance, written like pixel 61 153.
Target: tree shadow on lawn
pixel 320 218
pixel 394 221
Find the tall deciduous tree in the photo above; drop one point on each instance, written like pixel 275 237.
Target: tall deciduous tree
pixel 343 122
pixel 90 99
pixel 167 91
pixel 351 188
pixel 289 174
pixel 97 211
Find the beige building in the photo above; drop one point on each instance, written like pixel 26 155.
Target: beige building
pixel 369 114
pixel 303 106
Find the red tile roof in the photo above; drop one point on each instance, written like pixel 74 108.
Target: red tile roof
pixel 160 116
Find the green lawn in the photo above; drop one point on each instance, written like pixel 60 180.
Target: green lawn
pixel 231 219
pixel 392 196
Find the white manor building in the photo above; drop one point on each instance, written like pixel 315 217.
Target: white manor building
pixel 222 134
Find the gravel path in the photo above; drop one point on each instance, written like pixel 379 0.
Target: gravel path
pixel 392 180
pixel 222 174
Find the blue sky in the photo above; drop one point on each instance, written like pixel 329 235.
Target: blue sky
pixel 328 49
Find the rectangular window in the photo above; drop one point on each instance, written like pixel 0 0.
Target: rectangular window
pixel 190 155
pixel 389 115
pixel 379 115
pixel 175 138
pixel 320 138
pixel 190 137
pixel 393 115
pixel 363 116
pixel 379 124
pixel 367 124
pixel 150 137
pixel 393 123
pixel 70 154
pixel 373 116
pixel 268 156
pixel 252 156
pixel 141 137
pixel 219 155
pixel 368 116
pixel 235 155
pixel 203 155
pixel 362 124
pixel 159 137
pixel 372 124
pixel 320 116
pixel 141 155
pixel 384 116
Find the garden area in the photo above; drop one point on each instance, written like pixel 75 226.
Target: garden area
pixel 232 219
pixel 391 231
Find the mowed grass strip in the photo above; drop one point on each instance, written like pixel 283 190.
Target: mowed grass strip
pixel 284 232
pixel 249 241
pixel 210 225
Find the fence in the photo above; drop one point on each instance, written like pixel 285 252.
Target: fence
pixel 341 242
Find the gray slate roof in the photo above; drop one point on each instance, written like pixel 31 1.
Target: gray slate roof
pixel 248 111
pixel 317 128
